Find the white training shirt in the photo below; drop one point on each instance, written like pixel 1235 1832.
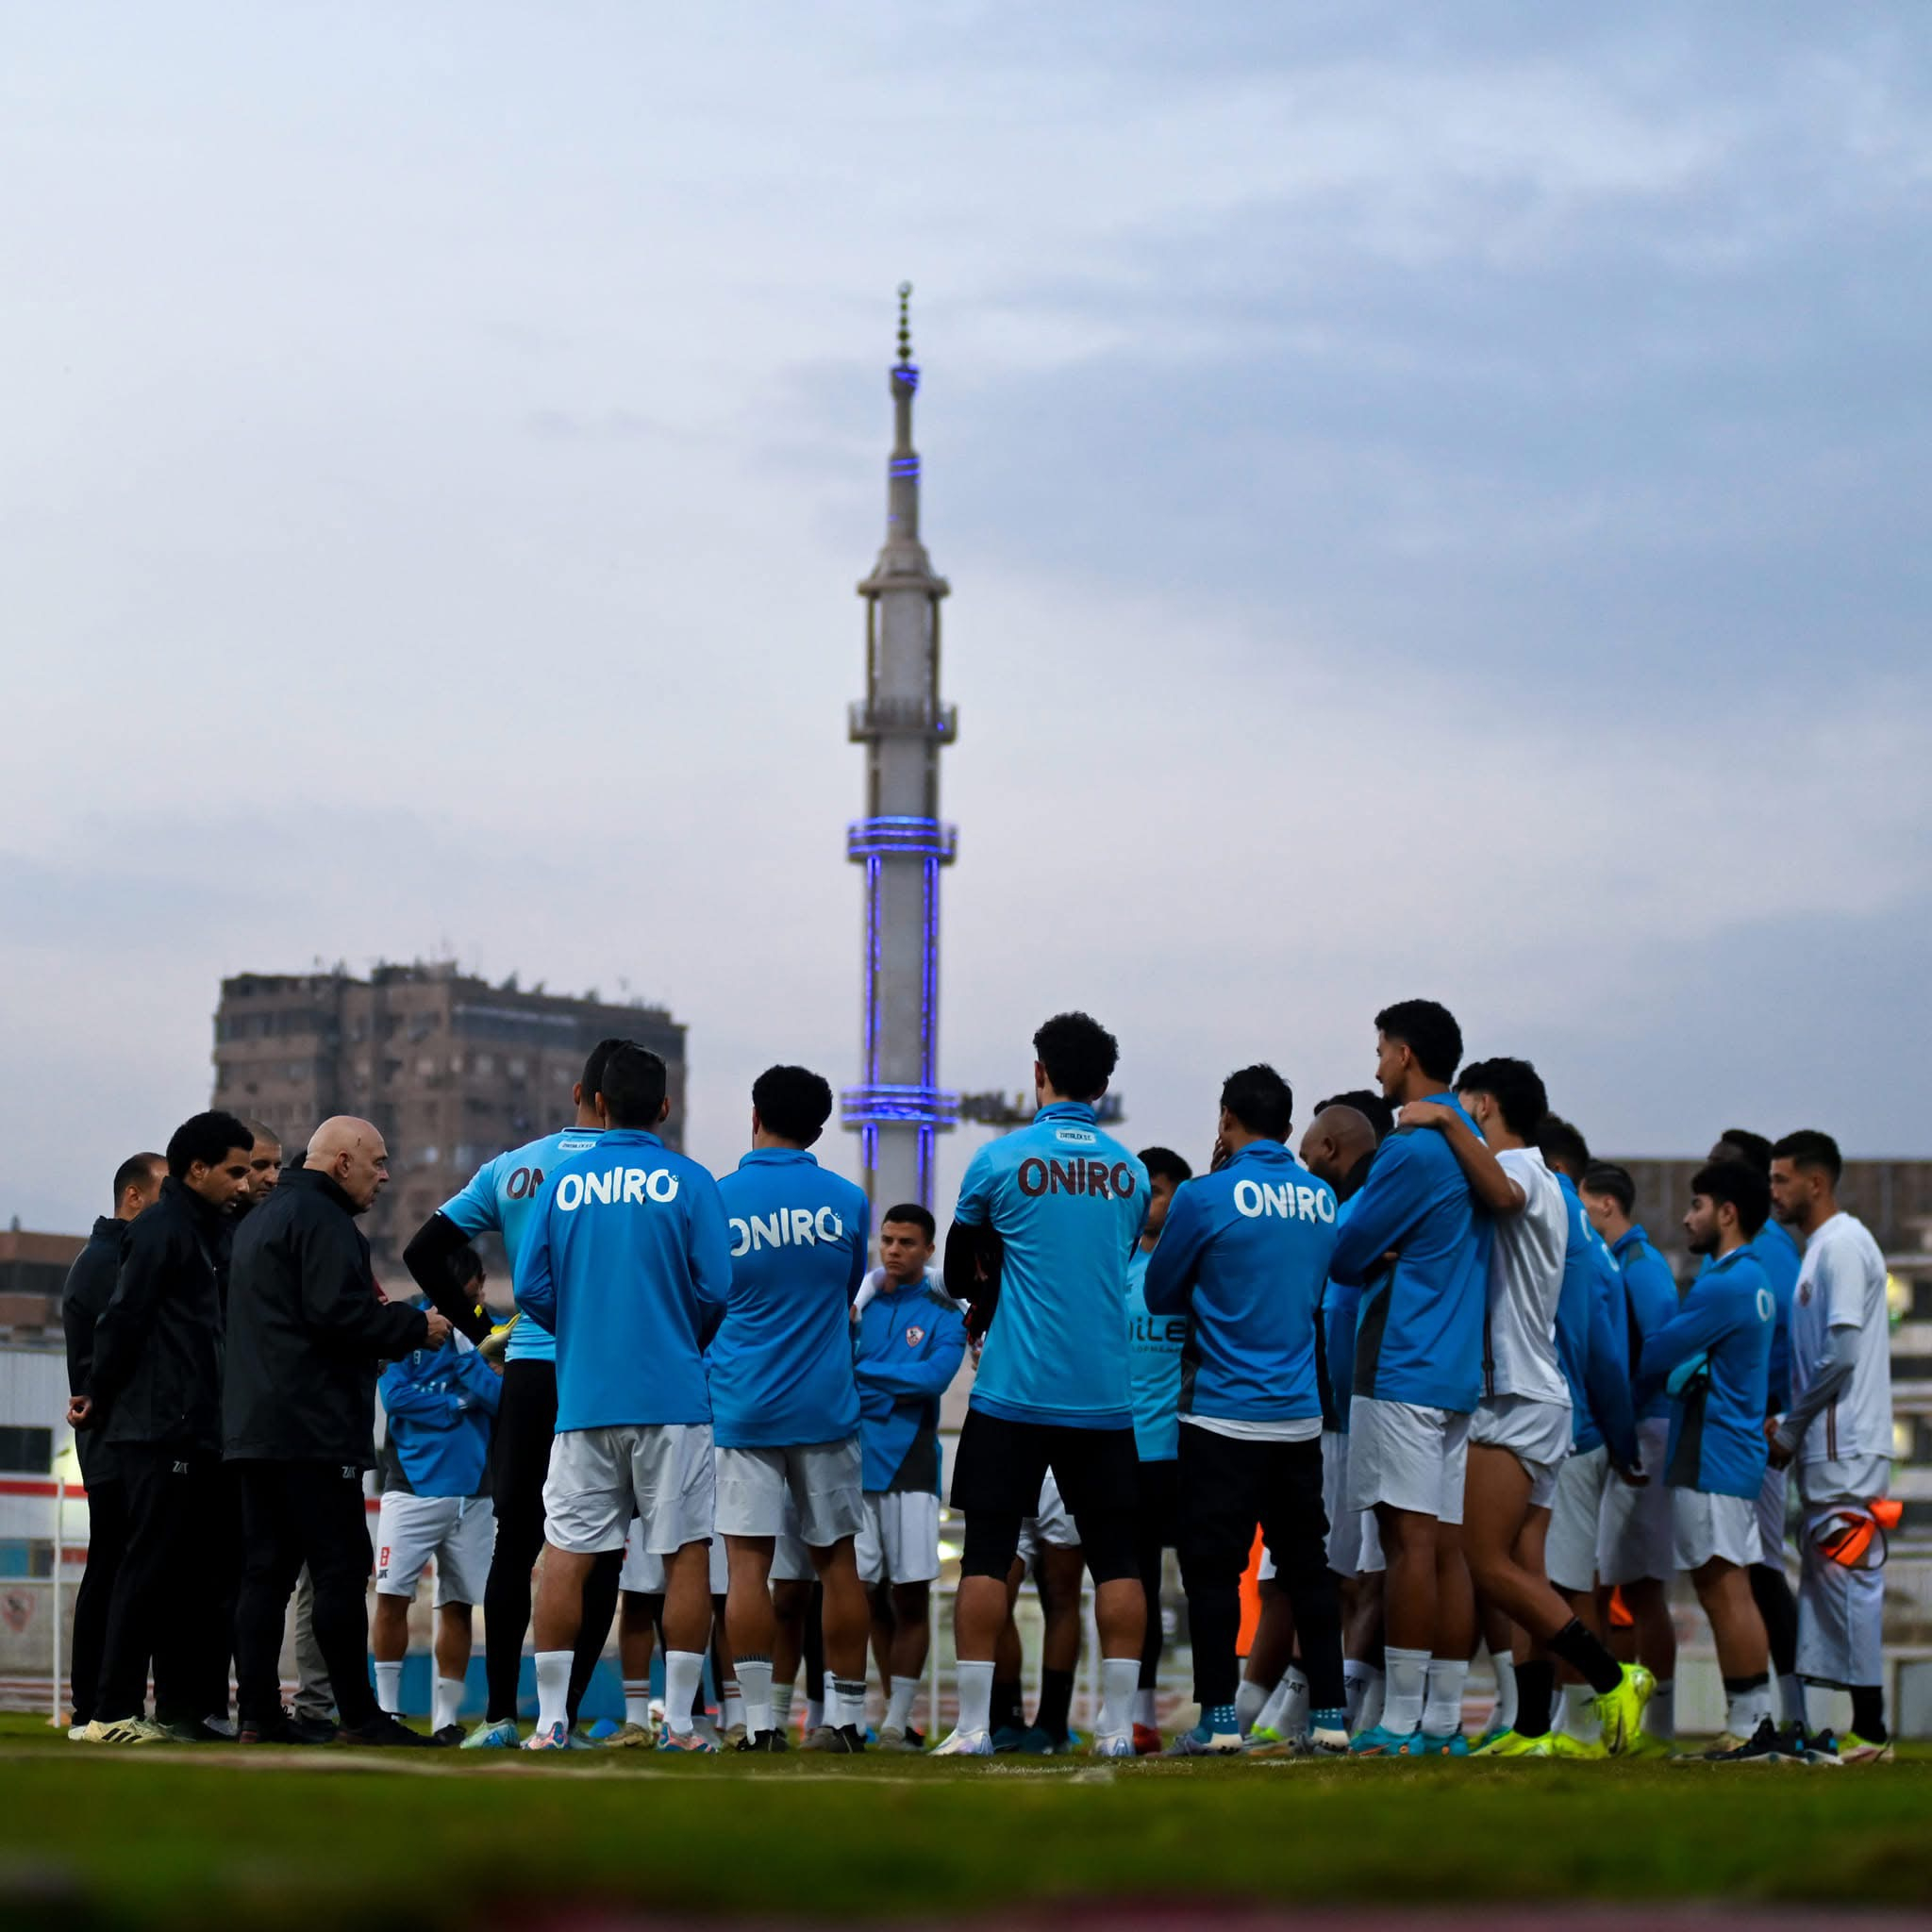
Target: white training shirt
pixel 1841 1285
pixel 1526 1256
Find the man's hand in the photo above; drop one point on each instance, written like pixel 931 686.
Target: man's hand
pixel 80 1412
pixel 1424 1113
pixel 438 1330
pixel 1780 1455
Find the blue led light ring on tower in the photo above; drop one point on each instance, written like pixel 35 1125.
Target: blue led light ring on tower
pixel 902 836
pixel 903 1106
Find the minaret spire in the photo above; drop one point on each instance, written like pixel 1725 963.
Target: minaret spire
pixel 902 843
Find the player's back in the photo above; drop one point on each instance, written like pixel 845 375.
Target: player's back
pixel 1650 1299
pixel 781 1361
pixel 1154 1358
pixel 628 1260
pixel 503 1195
pixel 1716 1422
pixel 1776 1253
pixel 1068 1203
pixel 1420 1330
pixel 1527 1256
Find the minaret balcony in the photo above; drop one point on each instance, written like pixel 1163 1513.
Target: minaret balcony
pixel 900 836
pixel 871 719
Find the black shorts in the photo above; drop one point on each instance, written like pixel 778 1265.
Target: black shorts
pixel 996 1477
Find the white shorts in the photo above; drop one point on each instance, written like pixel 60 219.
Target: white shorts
pixel 899 1542
pixel 1537 1433
pixel 1569 1548
pixel 458 1531
pixel 1704 1526
pixel 1407 1457
pixel 1053 1524
pixel 644 1573
pixel 599 1478
pixel 1841 1615
pixel 791 1560
pixel 820 1481
pixel 1772 1506
pixel 1634 1539
pixel 1345 1526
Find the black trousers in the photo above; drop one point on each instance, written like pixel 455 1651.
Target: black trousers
pixel 295 1513
pixel 1228 1484
pixel 106 1544
pixel 158 1608
pixel 215 1641
pixel 1157 1530
pixel 519 1462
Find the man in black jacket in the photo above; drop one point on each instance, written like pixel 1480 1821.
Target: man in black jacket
pixel 90 1285
pixel 153 1393
pixel 307 1327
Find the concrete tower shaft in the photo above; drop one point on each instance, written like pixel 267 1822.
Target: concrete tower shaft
pixel 898 1105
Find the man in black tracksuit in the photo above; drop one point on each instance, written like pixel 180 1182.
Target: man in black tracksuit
pixel 89 1287
pixel 307 1331
pixel 155 1394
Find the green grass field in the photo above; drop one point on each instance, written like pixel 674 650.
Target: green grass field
pixel 165 1839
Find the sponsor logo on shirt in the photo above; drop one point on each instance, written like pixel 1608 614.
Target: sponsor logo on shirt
pixel 785 1227
pixel 1093 1180
pixel 1076 1137
pixel 526 1180
pixel 1257 1199
pixel 621 1186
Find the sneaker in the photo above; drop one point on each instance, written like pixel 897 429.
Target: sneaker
pixel 1760 1747
pixel 578 1742
pixel 1821 1751
pixel 1508 1744
pixel 125 1730
pixel 1323 1742
pixel 1646 1744
pixel 449 1737
pixel 1621 1711
pixel 1444 1744
pixel 734 1736
pixel 1147 1741
pixel 1853 1749
pixel 1582 1750
pixel 842 1741
pixel 693 1739
pixel 75 1733
pixel 1487 1737
pixel 281 1727
pixel 1791 1742
pixel 382 1732
pixel 1035 1742
pixel 1203 1742
pixel 1007 1740
pixel 1721 1747
pixel 310 1730
pixel 966 1745
pixel 224 1727
pixel 707 1727
pixel 1112 1745
pixel 501 1735
pixel 891 1738
pixel 196 1731
pixel 548 1738
pixel 1383 1743
pixel 765 1742
pixel 819 1738
pixel 630 1737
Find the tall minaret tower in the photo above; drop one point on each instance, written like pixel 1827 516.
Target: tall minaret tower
pixel 898 1107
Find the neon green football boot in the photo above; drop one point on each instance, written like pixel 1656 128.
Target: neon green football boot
pixel 1621 1711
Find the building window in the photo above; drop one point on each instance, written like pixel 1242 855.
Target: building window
pixel 486 1063
pixel 518 1070
pixel 426 1065
pixel 27 1452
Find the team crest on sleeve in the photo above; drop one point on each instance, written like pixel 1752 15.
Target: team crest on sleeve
pixel 914 1335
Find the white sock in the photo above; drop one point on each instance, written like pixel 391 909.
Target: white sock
pixel 1791 1699
pixel 1442 1709
pixel 976 1695
pixel 553 1687
pixel 846 1702
pixel 636 1702
pixel 1661 1713
pixel 1402 1694
pixel 1143 1709
pixel 1356 1679
pixel 1292 1721
pixel 1503 1718
pixel 1579 1713
pixel 447 1702
pixel 388 1686
pixel 1272 1714
pixel 1120 1677
pixel 1374 1691
pixel 899 1711
pixel 755 1683
pixel 1820 1701
pixel 684 1675
pixel 730 1704
pixel 815 1713
pixel 1251 1698
pixel 781 1706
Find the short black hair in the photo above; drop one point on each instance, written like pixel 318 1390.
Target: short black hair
pixel 1515 1086
pixel 594 1066
pixel 1753 1148
pixel 1164 1160
pixel 1608 1178
pixel 1260 1099
pixel 1562 1145
pixel 1744 1187
pixel 1369 1105
pixel 1429 1031
pixel 793 1103
pixel 1808 1147
pixel 911 1211
pixel 1080 1054
pixel 206 1137
pixel 133 1171
pixel 632 1083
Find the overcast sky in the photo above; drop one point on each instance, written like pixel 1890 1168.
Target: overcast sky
pixel 1435 501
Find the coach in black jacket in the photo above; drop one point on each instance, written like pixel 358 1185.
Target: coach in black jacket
pixel 154 1395
pixel 307 1329
pixel 89 1287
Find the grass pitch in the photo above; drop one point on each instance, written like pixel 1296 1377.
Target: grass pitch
pixel 155 1837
